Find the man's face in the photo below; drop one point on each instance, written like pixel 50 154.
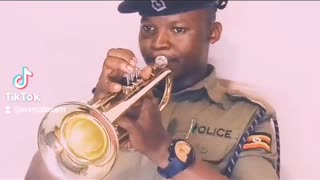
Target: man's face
pixel 183 38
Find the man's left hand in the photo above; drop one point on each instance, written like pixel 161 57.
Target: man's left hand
pixel 146 132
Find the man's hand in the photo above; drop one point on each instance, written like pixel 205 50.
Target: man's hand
pixel 118 62
pixel 143 120
pixel 147 134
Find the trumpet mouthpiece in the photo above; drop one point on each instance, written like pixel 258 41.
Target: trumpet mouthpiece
pixel 161 61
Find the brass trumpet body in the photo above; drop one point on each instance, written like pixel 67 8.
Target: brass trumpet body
pixel 81 141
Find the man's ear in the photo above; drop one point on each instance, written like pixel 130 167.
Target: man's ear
pixel 215 32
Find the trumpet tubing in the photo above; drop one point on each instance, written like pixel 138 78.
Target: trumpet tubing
pixel 84 140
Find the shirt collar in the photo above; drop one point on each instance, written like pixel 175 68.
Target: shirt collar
pixel 215 91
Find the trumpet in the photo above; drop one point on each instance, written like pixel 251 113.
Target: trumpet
pixel 84 141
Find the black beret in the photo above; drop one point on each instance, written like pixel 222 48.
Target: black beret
pixel 167 7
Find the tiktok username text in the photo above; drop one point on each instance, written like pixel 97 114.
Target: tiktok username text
pixel 33 109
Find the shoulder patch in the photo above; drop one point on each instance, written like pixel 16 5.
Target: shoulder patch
pixel 239 90
pixel 258 140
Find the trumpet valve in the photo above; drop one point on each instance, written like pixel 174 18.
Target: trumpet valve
pixel 131 82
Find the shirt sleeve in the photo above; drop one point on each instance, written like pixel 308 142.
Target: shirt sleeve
pixel 258 160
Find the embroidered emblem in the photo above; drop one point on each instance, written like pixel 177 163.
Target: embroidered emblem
pixel 158 5
pixel 258 141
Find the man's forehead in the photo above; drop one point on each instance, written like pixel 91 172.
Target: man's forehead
pixel 165 7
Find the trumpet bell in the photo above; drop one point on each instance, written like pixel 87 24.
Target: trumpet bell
pixel 78 142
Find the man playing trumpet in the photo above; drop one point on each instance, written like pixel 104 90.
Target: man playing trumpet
pixel 207 131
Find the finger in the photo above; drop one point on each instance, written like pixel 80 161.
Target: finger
pixel 115 63
pixel 129 125
pixel 99 96
pixel 149 108
pixel 150 94
pixel 109 76
pixel 110 87
pixel 124 54
pixel 104 89
pixel 145 73
pixel 112 76
pixel 133 112
pixel 91 101
pixel 115 76
pixel 126 145
pixel 129 145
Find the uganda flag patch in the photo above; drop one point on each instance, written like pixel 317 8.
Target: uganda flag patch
pixel 258 140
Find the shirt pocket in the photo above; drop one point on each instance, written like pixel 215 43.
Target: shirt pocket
pixel 212 148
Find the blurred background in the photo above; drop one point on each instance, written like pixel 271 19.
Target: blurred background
pixel 270 46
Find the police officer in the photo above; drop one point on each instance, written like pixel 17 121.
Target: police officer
pixel 207 131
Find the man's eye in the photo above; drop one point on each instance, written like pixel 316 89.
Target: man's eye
pixel 179 30
pixel 148 28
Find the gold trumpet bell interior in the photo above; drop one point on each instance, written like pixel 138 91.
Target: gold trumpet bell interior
pixel 84 137
pixel 78 141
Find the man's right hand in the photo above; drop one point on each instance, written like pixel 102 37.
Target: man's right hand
pixel 117 63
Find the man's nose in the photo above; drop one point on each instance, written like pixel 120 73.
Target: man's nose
pixel 161 41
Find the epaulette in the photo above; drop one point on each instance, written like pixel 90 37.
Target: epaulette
pixel 237 91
